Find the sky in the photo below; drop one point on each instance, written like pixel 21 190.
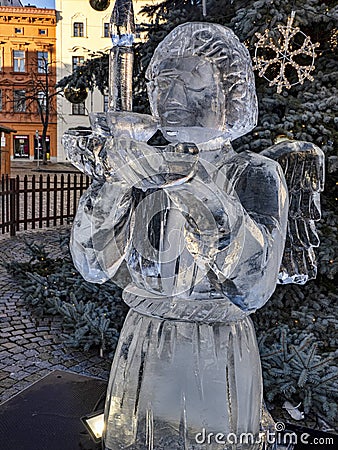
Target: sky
pixel 40 3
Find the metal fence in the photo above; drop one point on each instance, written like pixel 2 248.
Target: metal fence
pixel 39 202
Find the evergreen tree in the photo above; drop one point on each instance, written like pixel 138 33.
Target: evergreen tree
pixel 297 327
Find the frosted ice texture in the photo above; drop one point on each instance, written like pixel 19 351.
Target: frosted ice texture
pixel 202 231
pixel 121 57
pixel 201 77
pixel 303 165
pixel 121 60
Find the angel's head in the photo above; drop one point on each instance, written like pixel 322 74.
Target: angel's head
pixel 201 84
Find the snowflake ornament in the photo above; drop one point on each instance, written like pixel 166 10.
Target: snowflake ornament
pixel 280 52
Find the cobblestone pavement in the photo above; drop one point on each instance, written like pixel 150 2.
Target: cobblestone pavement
pixel 31 347
pixel 31 168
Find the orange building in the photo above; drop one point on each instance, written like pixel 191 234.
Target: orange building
pixel 27 78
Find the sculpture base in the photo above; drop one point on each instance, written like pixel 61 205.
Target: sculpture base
pixel 170 440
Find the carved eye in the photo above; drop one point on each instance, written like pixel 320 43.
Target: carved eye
pixel 150 85
pixel 162 83
pixel 201 89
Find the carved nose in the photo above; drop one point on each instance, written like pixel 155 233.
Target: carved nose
pixel 176 95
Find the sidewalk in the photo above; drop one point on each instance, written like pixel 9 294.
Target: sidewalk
pixel 31 347
pixel 32 168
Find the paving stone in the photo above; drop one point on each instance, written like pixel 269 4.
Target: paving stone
pixel 19 375
pixel 20 341
pixel 43 364
pixel 33 369
pixel 12 368
pixel 16 349
pixel 28 335
pixel 17 332
pixel 19 357
pixel 5 335
pixel 43 329
pixel 9 345
pixel 6 383
pixel 8 361
pixel 30 353
pixel 21 385
pixel 60 353
pixel 15 323
pixel 27 363
pixel 68 364
pixel 44 356
pixel 30 346
pixel 44 343
pixel 96 359
pixel 40 333
pixel 33 377
pixel 15 339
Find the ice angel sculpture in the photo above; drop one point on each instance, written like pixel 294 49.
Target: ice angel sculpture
pixel 202 231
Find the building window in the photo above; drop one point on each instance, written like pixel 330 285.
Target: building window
pixel 18 30
pixel 106 29
pixel 105 103
pixel 21 147
pixel 19 61
pixel 0 99
pixel 42 32
pixel 77 61
pixel 42 62
pixel 79 109
pixel 19 100
pixel 78 29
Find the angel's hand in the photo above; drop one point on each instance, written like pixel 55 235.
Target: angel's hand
pixel 83 148
pixel 214 224
pixel 143 166
pixel 123 124
pixel 139 164
pixel 116 149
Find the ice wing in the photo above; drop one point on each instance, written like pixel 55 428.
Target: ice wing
pixel 303 166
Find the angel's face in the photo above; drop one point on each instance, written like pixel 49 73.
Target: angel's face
pixel 187 93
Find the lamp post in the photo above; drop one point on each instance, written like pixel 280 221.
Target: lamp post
pixel 37 137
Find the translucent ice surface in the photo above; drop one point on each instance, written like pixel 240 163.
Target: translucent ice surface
pixel 303 166
pixel 121 57
pixel 201 77
pixel 202 231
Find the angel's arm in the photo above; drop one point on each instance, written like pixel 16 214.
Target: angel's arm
pixel 101 230
pixel 118 164
pixel 122 155
pixel 262 191
pixel 237 234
